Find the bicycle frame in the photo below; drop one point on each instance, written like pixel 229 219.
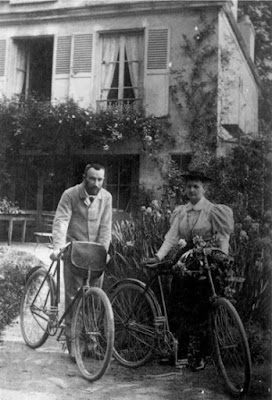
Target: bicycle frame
pixel 161 268
pixel 52 313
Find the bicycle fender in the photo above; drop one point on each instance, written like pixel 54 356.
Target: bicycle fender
pixel 34 269
pixel 137 282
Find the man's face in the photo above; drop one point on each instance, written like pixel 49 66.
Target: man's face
pixel 194 190
pixel 93 180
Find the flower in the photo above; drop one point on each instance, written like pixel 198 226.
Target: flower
pixel 149 210
pixel 106 147
pixel 238 227
pixel 143 208
pixel 182 243
pixel 248 220
pixel 255 227
pixel 155 204
pixel 130 243
pixel 243 235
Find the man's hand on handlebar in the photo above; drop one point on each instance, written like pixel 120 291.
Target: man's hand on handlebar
pixel 54 255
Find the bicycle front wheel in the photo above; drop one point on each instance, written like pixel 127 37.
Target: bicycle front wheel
pixel 39 296
pixel 230 347
pixel 134 315
pixel 93 333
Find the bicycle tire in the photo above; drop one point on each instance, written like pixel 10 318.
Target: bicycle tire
pixel 134 311
pixel 34 318
pixel 93 333
pixel 230 347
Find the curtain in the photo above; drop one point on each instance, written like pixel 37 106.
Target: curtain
pixel 21 67
pixel 109 58
pixel 132 48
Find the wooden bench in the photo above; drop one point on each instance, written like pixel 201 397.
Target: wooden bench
pixel 46 232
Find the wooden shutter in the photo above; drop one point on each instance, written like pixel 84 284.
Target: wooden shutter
pixel 2 65
pixel 83 53
pixel 157 50
pixel 63 58
pixel 157 72
pixel 2 57
pixel 81 76
pixel 62 68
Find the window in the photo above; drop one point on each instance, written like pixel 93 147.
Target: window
pixel 34 67
pixel 121 69
pixel 182 161
pixel 122 177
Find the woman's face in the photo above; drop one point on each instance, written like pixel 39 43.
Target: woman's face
pixel 194 190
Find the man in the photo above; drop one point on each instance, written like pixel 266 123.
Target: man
pixel 84 213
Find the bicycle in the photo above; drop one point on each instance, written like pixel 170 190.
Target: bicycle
pixel 92 327
pixel 142 326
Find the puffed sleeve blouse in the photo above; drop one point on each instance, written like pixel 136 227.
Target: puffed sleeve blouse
pixel 203 219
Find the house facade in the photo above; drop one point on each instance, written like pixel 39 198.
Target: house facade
pixel 121 52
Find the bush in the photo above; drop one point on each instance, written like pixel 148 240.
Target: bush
pixel 135 239
pixel 14 266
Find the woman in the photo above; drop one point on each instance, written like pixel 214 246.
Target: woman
pixel 199 217
pixel 189 297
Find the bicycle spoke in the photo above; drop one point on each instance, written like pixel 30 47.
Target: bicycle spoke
pixel 134 314
pixel 36 302
pixel 93 334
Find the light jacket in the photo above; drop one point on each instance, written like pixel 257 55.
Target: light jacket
pixel 78 219
pixel 208 220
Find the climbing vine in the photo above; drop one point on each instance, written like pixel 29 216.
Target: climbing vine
pixel 195 91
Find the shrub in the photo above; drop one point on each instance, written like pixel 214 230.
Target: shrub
pixel 14 266
pixel 135 239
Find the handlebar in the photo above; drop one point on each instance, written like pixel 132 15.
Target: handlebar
pixel 183 258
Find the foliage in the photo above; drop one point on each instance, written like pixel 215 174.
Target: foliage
pixel 242 180
pixel 251 247
pixel 50 132
pixel 8 207
pixel 260 13
pixel 56 128
pixel 14 265
pixel 135 239
pixel 199 91
pixel 223 269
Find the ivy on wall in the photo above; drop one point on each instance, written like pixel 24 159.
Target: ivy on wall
pixel 194 91
pixel 43 128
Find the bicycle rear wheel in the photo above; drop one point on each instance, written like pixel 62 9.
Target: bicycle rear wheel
pixel 230 347
pixel 93 333
pixel 134 315
pixel 35 305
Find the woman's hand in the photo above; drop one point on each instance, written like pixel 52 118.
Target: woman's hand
pixel 152 260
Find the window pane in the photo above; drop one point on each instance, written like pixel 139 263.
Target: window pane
pixel 128 90
pixel 113 93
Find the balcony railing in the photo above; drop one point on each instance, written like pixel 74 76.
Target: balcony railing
pixel 135 104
